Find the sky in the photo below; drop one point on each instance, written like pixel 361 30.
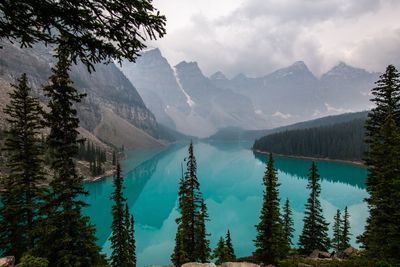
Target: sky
pixel 256 37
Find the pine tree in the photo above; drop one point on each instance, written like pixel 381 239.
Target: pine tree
pixel 315 230
pixel 179 256
pixel 221 252
pixel 130 232
pixel 68 238
pixel 119 235
pixel 114 158
pixel 345 231
pixel 21 193
pixel 337 232
pixel 229 246
pixel 191 244
pixel 270 241
pixel 382 160
pixel 287 224
pixel 132 242
pixel 202 243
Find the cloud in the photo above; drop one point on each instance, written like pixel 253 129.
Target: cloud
pixel 258 36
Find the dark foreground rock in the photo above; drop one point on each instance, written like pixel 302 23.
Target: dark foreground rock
pixel 7 261
pixel 239 264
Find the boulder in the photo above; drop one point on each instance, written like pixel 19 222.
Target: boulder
pixel 317 254
pixel 349 251
pixel 196 264
pixel 7 261
pixel 239 264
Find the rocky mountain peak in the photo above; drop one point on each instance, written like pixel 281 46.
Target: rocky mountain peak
pixel 218 76
pixel 344 71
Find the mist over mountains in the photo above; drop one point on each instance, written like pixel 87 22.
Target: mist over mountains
pixel 183 98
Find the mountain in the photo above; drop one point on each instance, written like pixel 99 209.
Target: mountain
pixel 234 134
pixel 182 97
pixel 347 87
pixel 111 98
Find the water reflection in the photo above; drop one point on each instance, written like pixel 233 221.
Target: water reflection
pixel 230 178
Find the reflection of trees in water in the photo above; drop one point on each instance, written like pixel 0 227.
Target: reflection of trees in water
pixel 330 171
pixel 100 192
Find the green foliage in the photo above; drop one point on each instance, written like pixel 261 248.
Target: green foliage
pixel 32 261
pixel 337 232
pixel 337 141
pixel 191 243
pixel 270 242
pixel 345 231
pixel 21 192
pixel 66 238
pixel 382 231
pixel 221 252
pixel 94 155
pixel 229 247
pixel 122 236
pixel 288 224
pixel 92 31
pixel 315 230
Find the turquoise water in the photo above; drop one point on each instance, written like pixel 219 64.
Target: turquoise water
pixel 230 178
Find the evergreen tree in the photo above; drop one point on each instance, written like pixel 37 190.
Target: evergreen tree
pixel 114 158
pixel 229 246
pixel 345 231
pixel 270 241
pixel 337 232
pixel 132 242
pixel 202 243
pixel 221 252
pixel 179 256
pixel 130 232
pixel 287 224
pixel 67 237
pixel 21 193
pixel 120 234
pixel 382 231
pixel 315 230
pixel 191 244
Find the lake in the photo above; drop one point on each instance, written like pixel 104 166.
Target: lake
pixel 230 176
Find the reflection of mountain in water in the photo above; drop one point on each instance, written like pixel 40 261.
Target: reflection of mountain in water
pixel 100 193
pixel 328 170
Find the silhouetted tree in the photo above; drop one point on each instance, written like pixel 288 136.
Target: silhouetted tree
pixel 67 237
pixel 229 247
pixel 337 232
pixel 315 230
pixel 288 224
pixel 381 236
pixel 345 231
pixel 191 244
pixel 21 192
pixel 270 241
pixel 92 31
pixel 221 252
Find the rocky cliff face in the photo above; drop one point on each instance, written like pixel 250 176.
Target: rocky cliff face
pixel 107 88
pixel 183 97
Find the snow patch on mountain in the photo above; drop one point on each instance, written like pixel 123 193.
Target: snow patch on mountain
pixel 189 100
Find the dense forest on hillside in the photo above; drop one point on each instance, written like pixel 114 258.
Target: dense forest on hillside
pixel 338 141
pixel 235 134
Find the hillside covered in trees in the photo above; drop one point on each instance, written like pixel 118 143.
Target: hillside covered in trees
pixel 337 141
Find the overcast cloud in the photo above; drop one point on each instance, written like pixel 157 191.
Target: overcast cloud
pixel 255 37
